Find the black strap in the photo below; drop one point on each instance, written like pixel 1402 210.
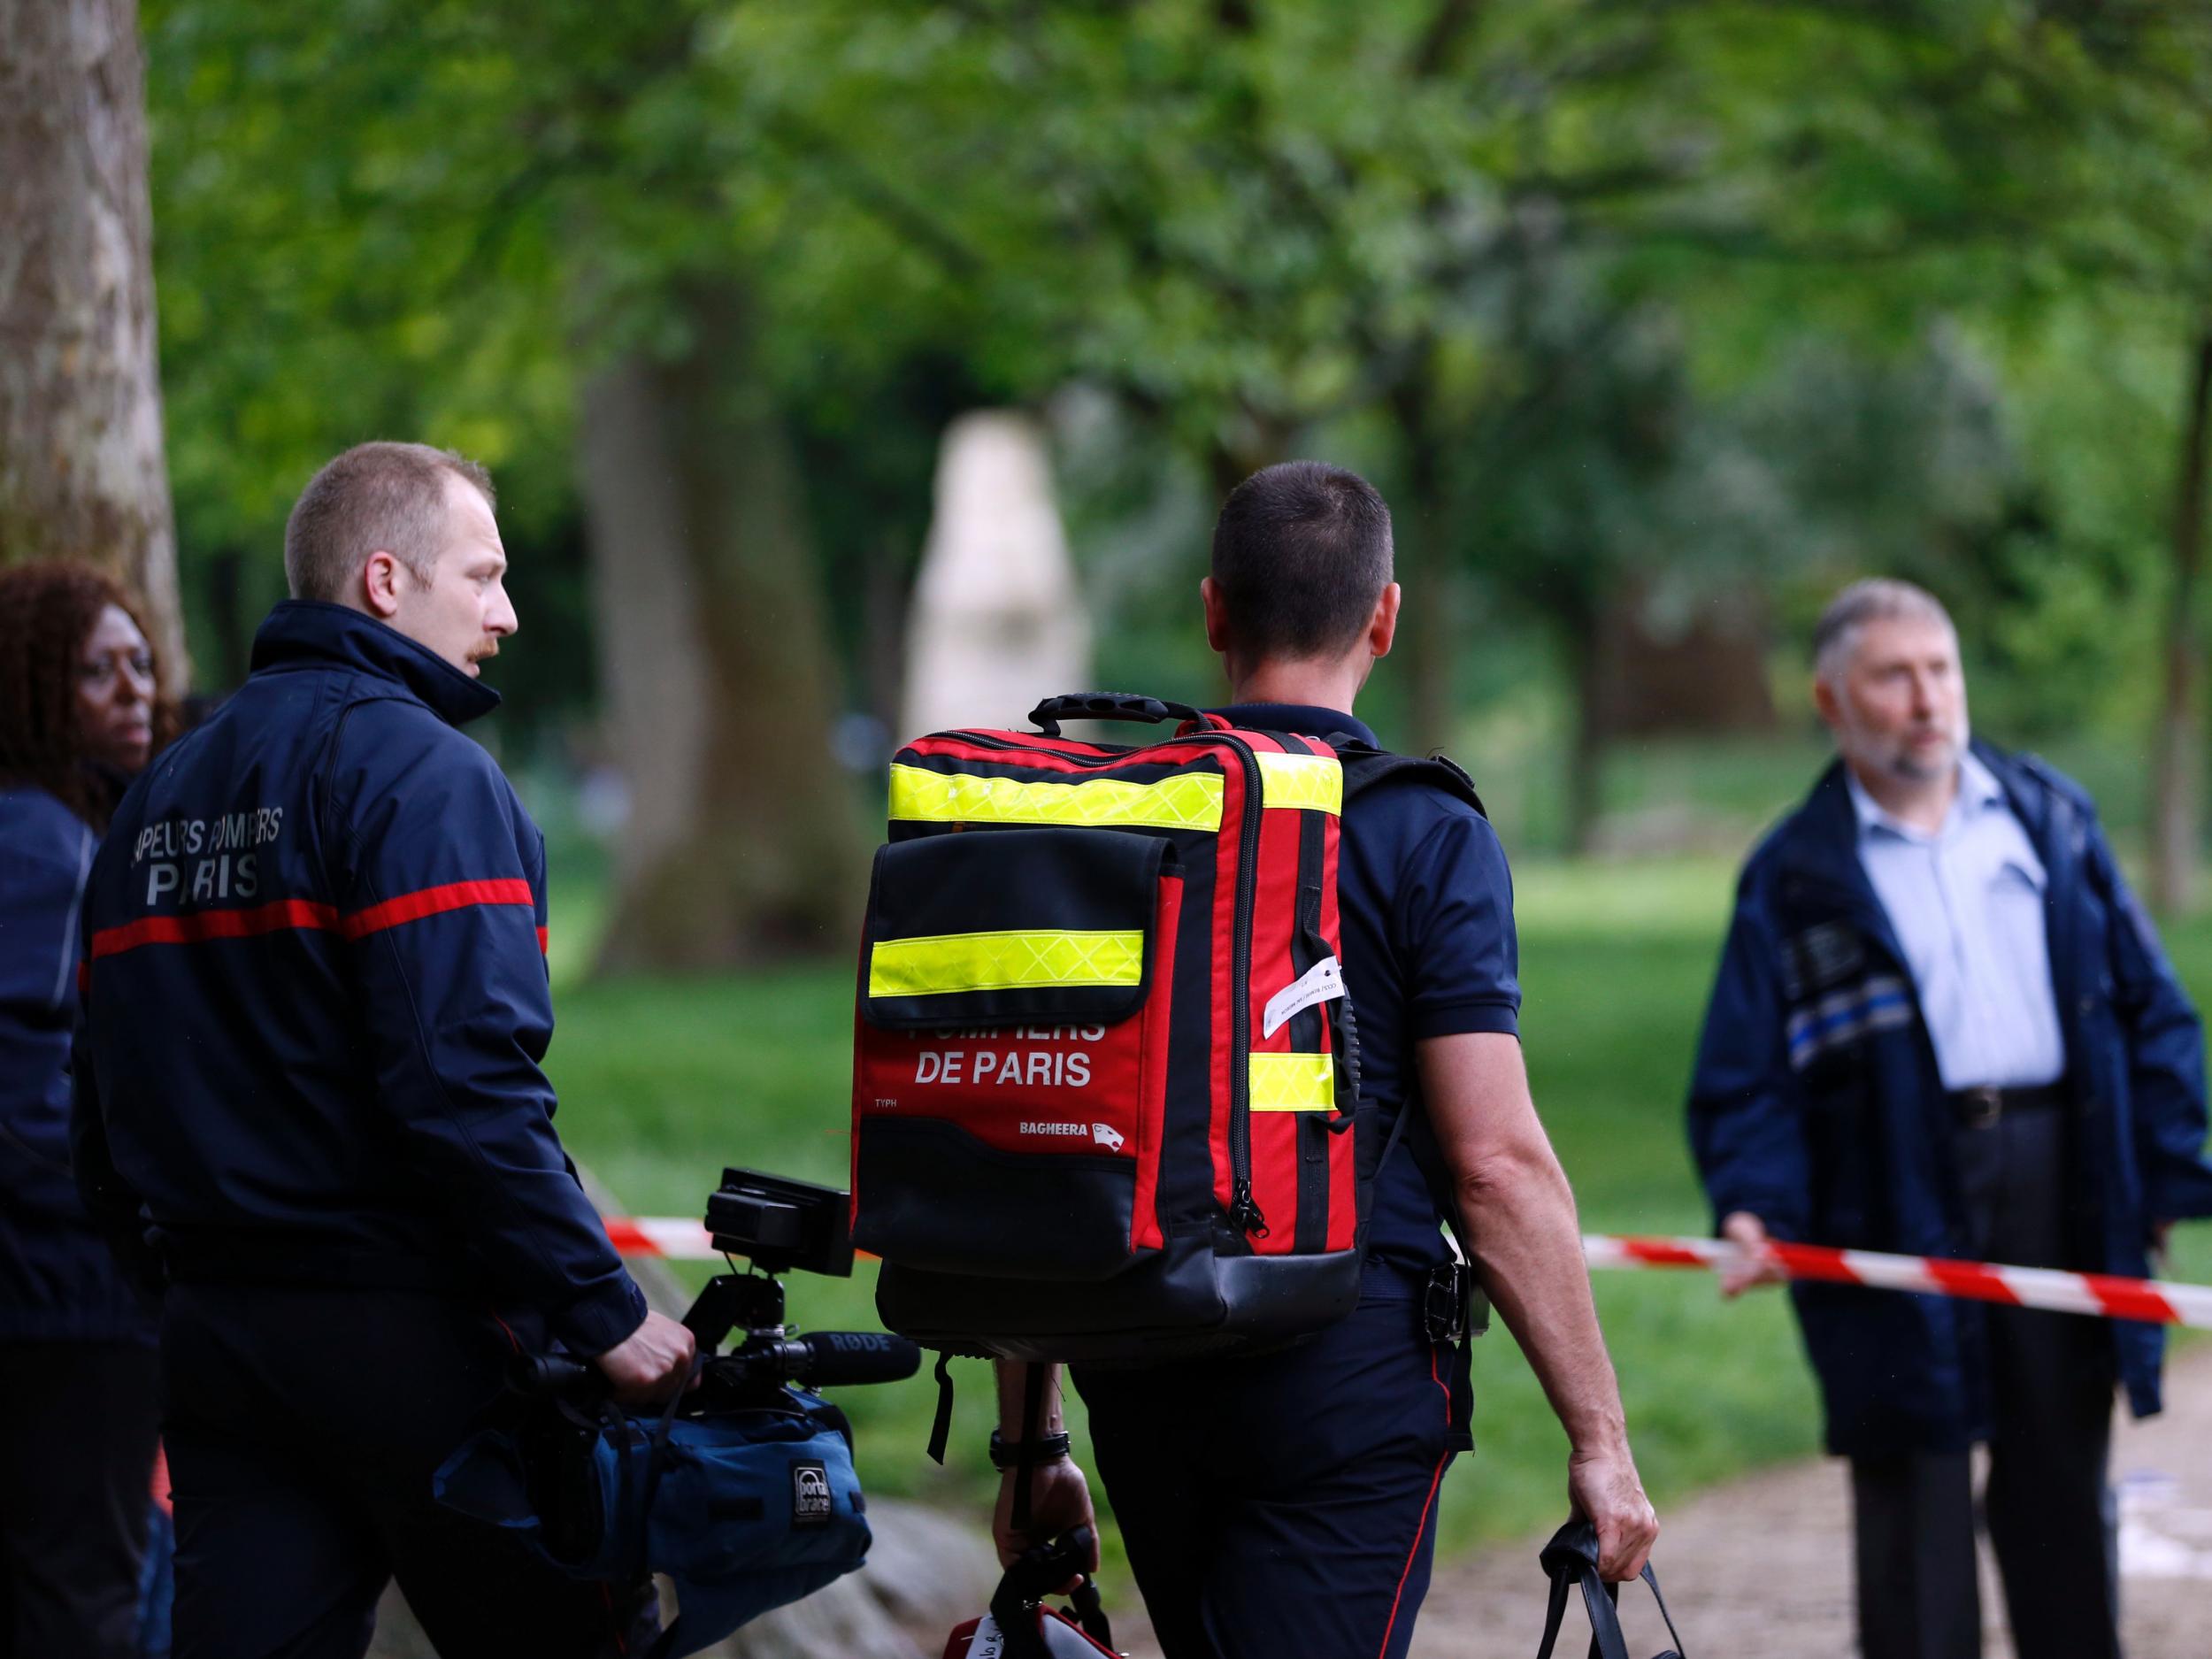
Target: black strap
pixel 1025 1460
pixel 1090 1613
pixel 667 1645
pixel 940 1429
pixel 1571 1560
pixel 1034 1575
pixel 1365 767
pixel 658 1458
pixel 1390 1145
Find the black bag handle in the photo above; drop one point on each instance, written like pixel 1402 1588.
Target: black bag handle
pixel 1036 1575
pixel 1571 1559
pixel 1115 705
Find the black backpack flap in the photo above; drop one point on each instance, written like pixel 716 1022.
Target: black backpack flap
pixel 994 927
pixel 1571 1561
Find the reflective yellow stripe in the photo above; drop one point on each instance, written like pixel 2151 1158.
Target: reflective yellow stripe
pixel 1294 1083
pixel 1189 799
pixel 942 964
pixel 1314 781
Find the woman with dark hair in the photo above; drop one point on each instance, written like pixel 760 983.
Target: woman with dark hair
pixel 80 714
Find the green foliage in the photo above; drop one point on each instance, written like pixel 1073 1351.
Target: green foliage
pixel 1667 298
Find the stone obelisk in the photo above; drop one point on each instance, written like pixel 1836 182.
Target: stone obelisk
pixel 998 620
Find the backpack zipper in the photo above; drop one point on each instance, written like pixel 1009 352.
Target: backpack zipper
pixel 1244 1209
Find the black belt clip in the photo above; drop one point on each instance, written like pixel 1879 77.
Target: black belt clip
pixel 1985 1105
pixel 1445 1302
pixel 1979 1107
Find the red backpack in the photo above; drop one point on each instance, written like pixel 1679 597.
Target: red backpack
pixel 1106 1098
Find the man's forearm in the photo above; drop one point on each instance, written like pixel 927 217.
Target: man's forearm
pixel 1013 1404
pixel 1520 1214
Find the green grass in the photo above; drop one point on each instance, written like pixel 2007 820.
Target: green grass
pixel 665 1081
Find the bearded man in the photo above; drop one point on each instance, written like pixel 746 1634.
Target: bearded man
pixel 1943 1026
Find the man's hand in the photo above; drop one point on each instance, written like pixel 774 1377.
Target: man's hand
pixel 652 1362
pixel 1746 1230
pixel 1528 1248
pixel 1604 1490
pixel 1059 1502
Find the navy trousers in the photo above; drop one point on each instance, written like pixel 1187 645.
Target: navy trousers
pixel 78 1423
pixel 302 1429
pixel 1285 1503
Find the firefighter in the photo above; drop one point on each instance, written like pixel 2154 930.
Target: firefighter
pixel 1286 1503
pixel 309 1072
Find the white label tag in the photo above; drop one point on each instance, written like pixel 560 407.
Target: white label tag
pixel 1321 983
pixel 989 1643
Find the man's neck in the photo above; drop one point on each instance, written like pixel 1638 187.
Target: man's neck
pixel 1308 685
pixel 1921 804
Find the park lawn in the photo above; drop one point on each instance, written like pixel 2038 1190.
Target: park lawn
pixel 664 1081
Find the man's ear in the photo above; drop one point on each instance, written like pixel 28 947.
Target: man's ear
pixel 1217 615
pixel 383 582
pixel 1382 627
pixel 1829 706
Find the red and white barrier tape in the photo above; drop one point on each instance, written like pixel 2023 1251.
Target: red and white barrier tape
pixel 2097 1295
pixel 679 1238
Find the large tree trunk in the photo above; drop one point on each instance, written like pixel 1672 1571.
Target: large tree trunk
pixel 2176 777
pixel 1425 570
pixel 1586 747
pixel 81 471
pixel 742 838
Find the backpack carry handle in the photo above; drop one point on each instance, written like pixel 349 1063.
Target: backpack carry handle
pixel 1040 1572
pixel 1117 705
pixel 1571 1560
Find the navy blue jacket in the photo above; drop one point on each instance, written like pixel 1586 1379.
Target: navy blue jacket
pixel 1818 1107
pixel 317 999
pixel 59 1280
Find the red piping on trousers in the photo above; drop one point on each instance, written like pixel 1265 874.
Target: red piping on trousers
pixel 1419 1532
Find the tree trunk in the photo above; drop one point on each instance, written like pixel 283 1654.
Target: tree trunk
pixel 81 470
pixel 1586 748
pixel 742 837
pixel 2177 774
pixel 1425 570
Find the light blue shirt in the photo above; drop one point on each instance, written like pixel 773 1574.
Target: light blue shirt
pixel 1967 906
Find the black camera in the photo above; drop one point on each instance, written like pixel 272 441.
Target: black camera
pixel 779 1225
pixel 776 1225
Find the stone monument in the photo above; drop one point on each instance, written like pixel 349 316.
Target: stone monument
pixel 997 621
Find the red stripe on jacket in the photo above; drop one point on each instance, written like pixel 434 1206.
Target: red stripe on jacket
pixel 454 895
pixel 198 927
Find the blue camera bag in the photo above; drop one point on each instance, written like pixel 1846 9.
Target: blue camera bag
pixel 743 1510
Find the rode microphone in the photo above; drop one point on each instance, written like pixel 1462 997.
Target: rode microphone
pixel 835 1359
pixel 819 1359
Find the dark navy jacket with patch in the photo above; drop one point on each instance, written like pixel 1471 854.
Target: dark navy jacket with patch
pixel 1818 1107
pixel 317 997
pixel 58 1279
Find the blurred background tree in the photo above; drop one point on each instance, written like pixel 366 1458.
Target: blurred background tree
pixel 1654 323
pixel 81 471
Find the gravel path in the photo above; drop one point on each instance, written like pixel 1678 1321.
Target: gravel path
pixel 1762 1565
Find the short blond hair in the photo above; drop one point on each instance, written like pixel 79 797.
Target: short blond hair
pixel 380 496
